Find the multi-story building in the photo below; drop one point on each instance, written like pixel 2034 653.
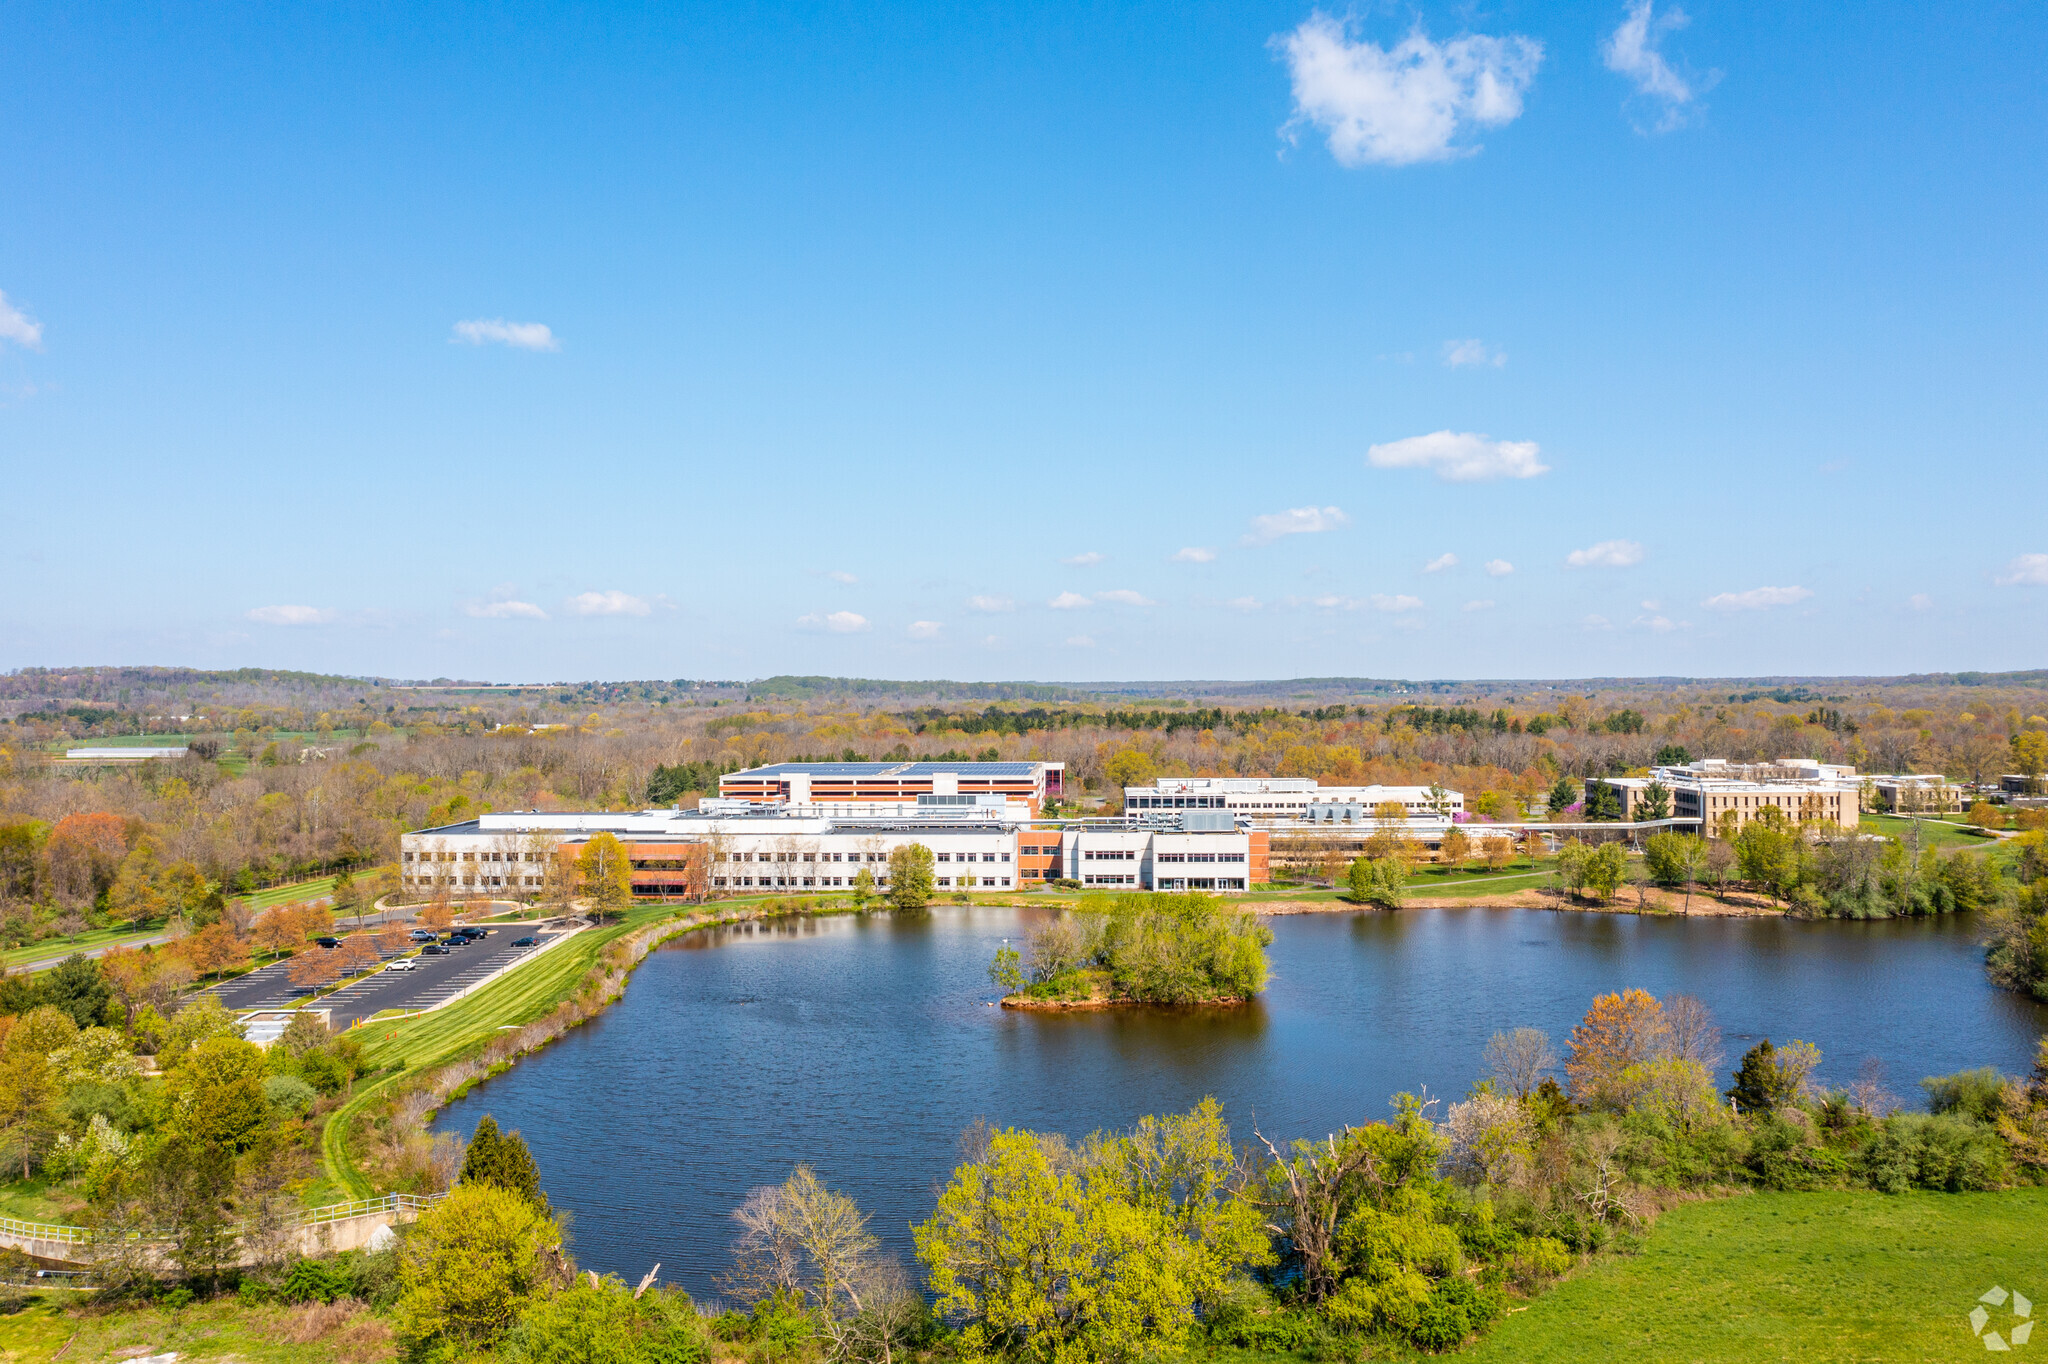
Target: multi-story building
pixel 864 789
pixel 679 853
pixel 1912 793
pixel 1285 798
pixel 1712 789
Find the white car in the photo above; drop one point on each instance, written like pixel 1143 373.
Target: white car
pixel 403 964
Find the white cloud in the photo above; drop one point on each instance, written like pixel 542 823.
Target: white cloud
pixel 612 603
pixel 1294 521
pixel 1382 602
pixel 1606 554
pixel 1920 601
pixel 18 327
pixel 292 615
pixel 518 335
pixel 838 622
pixel 1498 568
pixel 925 629
pixel 1461 456
pixel 1080 642
pixel 1195 554
pixel 504 610
pixel 1330 601
pixel 1068 601
pixel 1243 603
pixel 1123 596
pixel 990 604
pixel 1459 354
pixel 1484 604
pixel 1631 51
pixel 1652 604
pixel 1655 624
pixel 840 575
pixel 1088 560
pixel 1440 562
pixel 1756 599
pixel 1408 103
pixel 2030 570
pixel 1595 623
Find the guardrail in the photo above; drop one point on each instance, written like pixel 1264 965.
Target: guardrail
pixel 64 1234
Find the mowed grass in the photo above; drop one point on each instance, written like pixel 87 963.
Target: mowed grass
pixel 1794 1277
pixel 56 949
pixel 1934 833
pixel 36 1328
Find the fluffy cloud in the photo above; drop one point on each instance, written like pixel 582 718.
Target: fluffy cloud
pixel 990 605
pixel 1088 560
pixel 496 330
pixel 1459 354
pixel 1656 625
pixel 1606 554
pixel 1485 604
pixel 1632 51
pixel 1498 568
pixel 1294 521
pixel 292 615
pixel 925 629
pixel 1123 596
pixel 840 575
pixel 1440 563
pixel 1461 456
pixel 2028 570
pixel 1382 602
pixel 1407 103
pixel 1068 601
pixel 612 603
pixel 18 327
pixel 837 622
pixel 1756 599
pixel 1195 554
pixel 504 610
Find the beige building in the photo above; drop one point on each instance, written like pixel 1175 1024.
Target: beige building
pixel 1803 790
pixel 1913 794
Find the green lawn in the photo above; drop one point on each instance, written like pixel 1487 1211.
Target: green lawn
pixel 286 893
pixel 34 1327
pixel 1934 833
pixel 56 949
pixel 1797 1277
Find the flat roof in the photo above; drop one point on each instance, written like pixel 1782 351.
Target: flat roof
pixel 888 769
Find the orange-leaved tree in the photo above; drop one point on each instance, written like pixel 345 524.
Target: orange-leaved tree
pixel 1619 1031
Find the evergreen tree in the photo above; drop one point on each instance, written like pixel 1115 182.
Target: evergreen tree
pixel 501 1160
pixel 1562 794
pixel 77 988
pixel 1760 1083
pixel 1671 755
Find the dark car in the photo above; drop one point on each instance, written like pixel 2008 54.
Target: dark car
pixel 454 940
pixel 328 942
pixel 433 949
pixel 526 941
pixel 472 933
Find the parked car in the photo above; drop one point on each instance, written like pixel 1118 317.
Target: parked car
pixel 454 940
pixel 328 942
pixel 433 949
pixel 421 935
pixel 526 941
pixel 474 932
pixel 403 964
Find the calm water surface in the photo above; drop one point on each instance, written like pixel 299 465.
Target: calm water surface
pixel 864 1046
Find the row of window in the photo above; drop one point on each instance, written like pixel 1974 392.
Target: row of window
pixel 1200 857
pixel 472 857
pixel 794 881
pixel 1202 883
pixel 810 857
pixel 1107 880
pixel 471 880
pixel 1109 854
pixel 969 881
pixel 969 857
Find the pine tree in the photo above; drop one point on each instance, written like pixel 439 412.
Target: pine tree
pixel 1760 1084
pixel 501 1160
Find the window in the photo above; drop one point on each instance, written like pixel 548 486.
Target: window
pixel 947 857
pixel 990 857
pixel 1006 857
pixel 407 857
pixel 945 880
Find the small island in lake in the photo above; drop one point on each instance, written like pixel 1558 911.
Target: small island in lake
pixel 1138 948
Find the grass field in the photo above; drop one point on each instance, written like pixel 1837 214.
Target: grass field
pixel 35 1328
pixel 1805 1277
pixel 56 949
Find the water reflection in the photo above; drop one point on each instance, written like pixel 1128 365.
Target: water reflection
pixel 864 1044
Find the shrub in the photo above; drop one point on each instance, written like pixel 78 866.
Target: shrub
pixel 1935 1151
pixel 314 1281
pixel 289 1094
pixel 1975 1094
pixel 1455 1309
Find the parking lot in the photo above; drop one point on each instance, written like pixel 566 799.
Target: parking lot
pixel 433 981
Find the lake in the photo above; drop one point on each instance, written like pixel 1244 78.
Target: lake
pixel 864 1045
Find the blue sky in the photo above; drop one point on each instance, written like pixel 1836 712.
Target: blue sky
pixel 1016 341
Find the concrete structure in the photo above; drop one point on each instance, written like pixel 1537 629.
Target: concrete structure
pixel 1804 790
pixel 1287 798
pixel 121 754
pixel 318 1231
pixel 1912 794
pixel 862 788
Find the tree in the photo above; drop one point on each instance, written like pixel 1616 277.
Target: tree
pixel 1006 970
pixel 219 1093
pixel 346 898
pixel 1605 867
pixel 863 888
pixel 77 987
pixel 310 920
pixel 1380 881
pixel 1618 1031
pixel 30 1096
pixel 1656 802
pixel 910 876
pixel 276 931
pixel 1518 1060
pixel 1498 850
pixel 354 955
pixel 502 1160
pixel 471 1265
pixel 138 893
pixel 1768 854
pixel 314 968
pixel 437 915
pixel 2029 755
pixel 1985 815
pixel 215 948
pixel 1603 802
pixel 606 875
pixel 1438 800
pixel 1129 767
pixel 1563 796
pixel 1456 847
pixel 1769 1079
pixel 1671 755
pixel 85 853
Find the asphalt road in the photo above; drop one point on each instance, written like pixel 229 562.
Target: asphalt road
pixel 434 981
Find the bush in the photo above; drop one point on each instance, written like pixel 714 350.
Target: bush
pixel 289 1094
pixel 1935 1151
pixel 1455 1309
pixel 314 1281
pixel 1270 1332
pixel 1975 1094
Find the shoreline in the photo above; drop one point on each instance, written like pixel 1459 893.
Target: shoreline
pixel 1656 904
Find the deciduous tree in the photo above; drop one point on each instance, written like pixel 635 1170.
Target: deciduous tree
pixel 1620 1030
pixel 910 876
